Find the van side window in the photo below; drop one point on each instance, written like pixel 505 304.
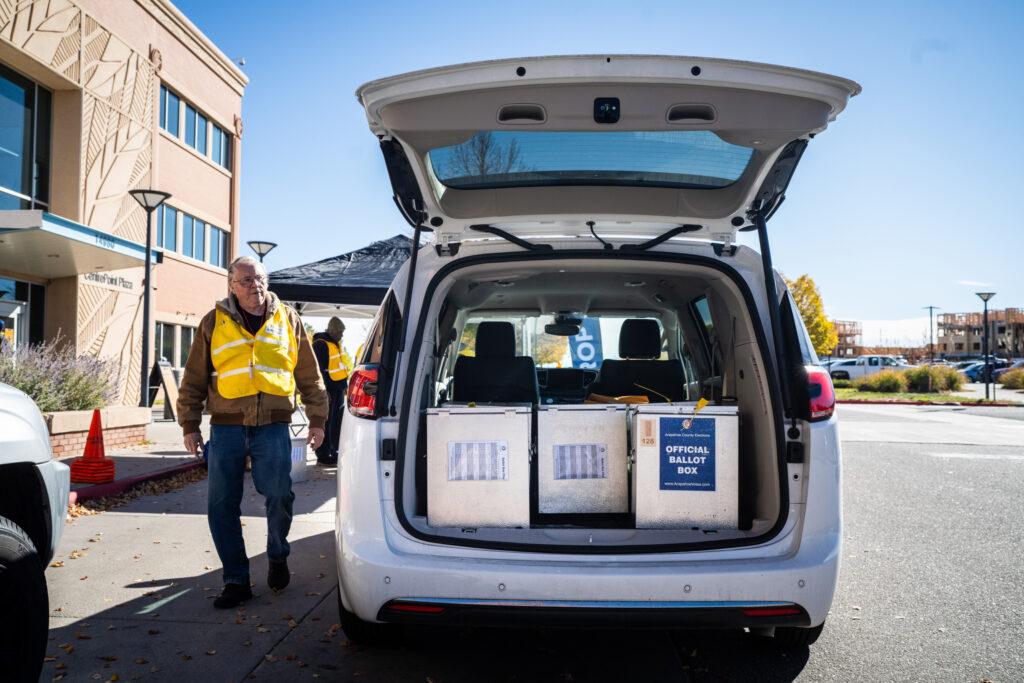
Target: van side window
pixel 873 361
pixel 381 345
pixel 807 353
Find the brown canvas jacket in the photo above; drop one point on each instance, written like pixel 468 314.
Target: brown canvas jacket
pixel 199 385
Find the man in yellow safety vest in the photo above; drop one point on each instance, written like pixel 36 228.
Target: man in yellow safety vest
pixel 335 366
pixel 249 355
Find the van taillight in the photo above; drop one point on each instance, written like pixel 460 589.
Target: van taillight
pixel 823 396
pixel 362 391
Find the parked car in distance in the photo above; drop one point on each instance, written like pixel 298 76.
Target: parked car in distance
pixel 862 366
pixel 973 370
pixel 1015 365
pixel 33 504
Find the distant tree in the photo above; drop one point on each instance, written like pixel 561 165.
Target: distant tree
pixel 310 330
pixel 483 155
pixel 808 300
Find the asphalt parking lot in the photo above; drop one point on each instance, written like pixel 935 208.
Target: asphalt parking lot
pixel 932 587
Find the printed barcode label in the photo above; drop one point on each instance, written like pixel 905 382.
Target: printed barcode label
pixel 581 461
pixel 477 460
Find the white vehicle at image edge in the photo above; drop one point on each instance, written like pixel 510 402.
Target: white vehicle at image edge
pixel 571 196
pixel 33 504
pixel 862 366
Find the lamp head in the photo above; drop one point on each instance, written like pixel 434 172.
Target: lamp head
pixel 149 199
pixel 985 296
pixel 260 247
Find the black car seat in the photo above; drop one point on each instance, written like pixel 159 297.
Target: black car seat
pixel 496 374
pixel 639 374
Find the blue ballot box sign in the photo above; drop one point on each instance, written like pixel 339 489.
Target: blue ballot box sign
pixel 687 453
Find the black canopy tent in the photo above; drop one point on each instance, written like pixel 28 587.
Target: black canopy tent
pixel 348 285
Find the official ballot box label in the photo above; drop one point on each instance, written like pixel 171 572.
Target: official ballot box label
pixel 687 454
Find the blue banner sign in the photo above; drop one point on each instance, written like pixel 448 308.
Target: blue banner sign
pixel 687 453
pixel 585 347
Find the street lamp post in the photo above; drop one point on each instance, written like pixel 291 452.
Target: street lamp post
pixel 931 342
pixel 149 200
pixel 261 247
pixel 985 296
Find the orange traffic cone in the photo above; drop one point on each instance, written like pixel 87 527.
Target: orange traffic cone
pixel 93 467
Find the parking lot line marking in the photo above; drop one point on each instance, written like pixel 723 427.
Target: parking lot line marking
pixel 979 456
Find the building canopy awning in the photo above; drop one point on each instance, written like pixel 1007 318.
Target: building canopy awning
pixel 350 285
pixel 48 246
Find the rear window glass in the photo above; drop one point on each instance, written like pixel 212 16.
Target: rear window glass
pixel 679 159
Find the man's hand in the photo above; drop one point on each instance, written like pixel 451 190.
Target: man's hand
pixel 315 437
pixel 194 443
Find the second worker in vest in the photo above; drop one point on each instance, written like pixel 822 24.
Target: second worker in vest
pixel 335 366
pixel 249 355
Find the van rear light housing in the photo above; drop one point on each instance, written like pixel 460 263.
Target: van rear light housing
pixel 822 395
pixel 362 391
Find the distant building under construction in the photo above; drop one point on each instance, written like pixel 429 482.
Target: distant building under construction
pixel 962 334
pixel 849 333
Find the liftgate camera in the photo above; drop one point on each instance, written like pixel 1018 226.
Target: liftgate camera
pixel 606 110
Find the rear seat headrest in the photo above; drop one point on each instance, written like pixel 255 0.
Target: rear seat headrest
pixel 638 338
pixel 495 340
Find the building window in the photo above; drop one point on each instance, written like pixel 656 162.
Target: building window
pixel 195 130
pixel 187 335
pixel 165 342
pixel 220 149
pixel 25 112
pixel 977 346
pixel 167 230
pixel 218 247
pixel 170 108
pixel 193 237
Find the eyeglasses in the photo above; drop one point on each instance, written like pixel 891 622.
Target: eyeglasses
pixel 260 280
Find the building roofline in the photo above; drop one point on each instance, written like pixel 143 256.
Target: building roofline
pixel 173 16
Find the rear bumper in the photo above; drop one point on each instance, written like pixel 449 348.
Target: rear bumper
pixel 603 614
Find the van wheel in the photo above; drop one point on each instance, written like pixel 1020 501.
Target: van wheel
pixel 840 375
pixel 795 636
pixel 364 632
pixel 26 605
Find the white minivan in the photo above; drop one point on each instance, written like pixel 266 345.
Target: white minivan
pixel 581 402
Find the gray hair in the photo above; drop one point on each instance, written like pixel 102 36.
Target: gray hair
pixel 245 261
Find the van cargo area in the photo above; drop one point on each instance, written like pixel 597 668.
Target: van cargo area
pixel 524 437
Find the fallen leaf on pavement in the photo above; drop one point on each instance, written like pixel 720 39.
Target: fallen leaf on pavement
pixel 57 564
pixel 262 630
pixel 60 665
pixel 185 658
pixel 154 631
pixel 83 578
pixel 83 636
pixel 270 658
pixel 140 661
pixel 311 595
pixel 109 658
pixel 49 658
pixel 211 652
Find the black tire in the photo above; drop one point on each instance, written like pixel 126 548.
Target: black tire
pixel 839 374
pixel 26 605
pixel 796 636
pixel 364 632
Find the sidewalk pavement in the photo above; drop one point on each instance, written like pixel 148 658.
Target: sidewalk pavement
pixel 162 456
pixel 976 391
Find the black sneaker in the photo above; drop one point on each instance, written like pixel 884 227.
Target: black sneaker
pixel 278 575
pixel 233 595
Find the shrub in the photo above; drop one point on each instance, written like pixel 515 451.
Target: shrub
pixel 1014 379
pixel 886 381
pixel 56 379
pixel 933 378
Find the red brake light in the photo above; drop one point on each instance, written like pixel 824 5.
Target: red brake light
pixel 362 391
pixel 823 396
pixel 415 607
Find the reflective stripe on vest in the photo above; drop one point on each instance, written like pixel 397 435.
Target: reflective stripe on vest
pixel 338 363
pixel 246 365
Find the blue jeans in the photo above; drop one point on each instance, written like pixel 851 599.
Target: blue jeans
pixel 269 446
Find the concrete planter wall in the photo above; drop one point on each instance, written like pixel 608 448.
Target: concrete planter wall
pixel 122 426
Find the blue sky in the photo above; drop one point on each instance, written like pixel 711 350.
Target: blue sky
pixel 909 199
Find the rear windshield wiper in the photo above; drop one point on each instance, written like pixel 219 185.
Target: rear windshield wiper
pixel 678 230
pixel 519 242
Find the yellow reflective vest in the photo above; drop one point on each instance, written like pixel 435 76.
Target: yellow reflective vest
pixel 338 362
pixel 246 365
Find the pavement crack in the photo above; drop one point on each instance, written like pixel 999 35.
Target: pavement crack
pixel 288 632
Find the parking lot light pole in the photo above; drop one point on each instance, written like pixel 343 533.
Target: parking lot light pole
pixel 931 342
pixel 985 296
pixel 261 247
pixel 149 200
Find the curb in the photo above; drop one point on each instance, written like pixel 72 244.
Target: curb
pixel 875 402
pixel 119 486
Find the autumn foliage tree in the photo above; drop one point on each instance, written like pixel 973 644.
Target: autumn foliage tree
pixel 808 301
